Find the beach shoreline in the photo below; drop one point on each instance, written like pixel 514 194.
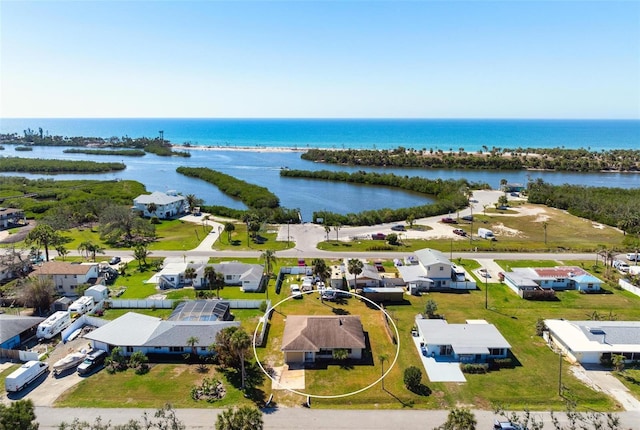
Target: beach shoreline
pixel 235 148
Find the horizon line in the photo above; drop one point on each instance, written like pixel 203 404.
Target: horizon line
pixel 331 118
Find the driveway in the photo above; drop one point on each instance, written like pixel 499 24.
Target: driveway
pixel 602 380
pixel 439 371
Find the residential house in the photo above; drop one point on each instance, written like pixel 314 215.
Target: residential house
pixel 434 271
pixel 524 280
pixel 151 335
pixel 10 217
pixel 249 277
pixel 167 205
pixel 15 329
pixel 309 338
pixel 67 277
pixel 474 342
pixel 369 277
pixel 589 342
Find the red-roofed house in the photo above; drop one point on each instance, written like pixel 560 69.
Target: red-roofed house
pixel 67 277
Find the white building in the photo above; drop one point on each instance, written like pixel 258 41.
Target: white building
pixel 67 277
pixel 434 271
pixel 589 341
pixel 167 204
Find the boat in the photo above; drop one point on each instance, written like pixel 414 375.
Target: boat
pixel 68 362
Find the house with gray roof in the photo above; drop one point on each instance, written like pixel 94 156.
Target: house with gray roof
pixel 369 277
pixel 434 271
pixel 592 341
pixel 524 280
pixel 15 329
pixel 167 205
pixel 308 338
pixel 249 277
pixel 474 342
pixel 136 332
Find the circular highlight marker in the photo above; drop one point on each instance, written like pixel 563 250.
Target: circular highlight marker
pixel 320 396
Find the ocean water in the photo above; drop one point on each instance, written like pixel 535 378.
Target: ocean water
pixel 263 167
pixel 469 134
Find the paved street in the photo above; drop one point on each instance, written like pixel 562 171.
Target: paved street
pixel 298 418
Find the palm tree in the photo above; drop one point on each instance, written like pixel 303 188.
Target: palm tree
pixel 192 342
pixel 240 343
pixel 190 274
pixel 382 358
pixel 269 258
pixel 229 227
pixel 192 201
pixel 214 280
pixel 544 226
pixel 152 208
pixel 90 249
pixel 355 266
pixel 460 419
pixel 336 227
pixel 327 229
pixel 140 253
pixel 62 251
pixel 242 418
pixel 44 235
pixel 320 268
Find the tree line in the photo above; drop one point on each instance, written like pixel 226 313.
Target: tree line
pixel 450 195
pixel 617 207
pixel 561 159
pixel 30 137
pixel 254 196
pixel 119 152
pixel 38 165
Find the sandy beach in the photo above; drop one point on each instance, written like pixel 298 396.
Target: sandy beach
pixel 256 148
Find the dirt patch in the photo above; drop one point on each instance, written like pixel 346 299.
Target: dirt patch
pixel 502 230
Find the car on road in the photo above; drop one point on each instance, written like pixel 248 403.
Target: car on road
pixel 507 425
pixel 398 227
pixel 633 256
pixel 378 236
pixel 115 260
pixel 449 220
pixel 296 293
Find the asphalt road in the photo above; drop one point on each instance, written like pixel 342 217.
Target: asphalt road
pixel 299 418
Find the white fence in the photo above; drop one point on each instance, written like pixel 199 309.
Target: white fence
pixel 81 322
pixel 140 304
pixel 626 285
pixel 168 304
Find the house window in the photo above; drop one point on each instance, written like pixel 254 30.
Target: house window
pixel 176 349
pixel 589 285
pixel 129 348
pixel 495 351
pixel 203 348
pixel 325 352
pixel 158 348
pixel 441 268
pixel 228 277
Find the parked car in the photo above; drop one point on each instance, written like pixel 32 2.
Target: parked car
pixel 633 256
pixel 449 220
pixel 329 294
pixel 295 291
pixel 94 361
pixel 398 227
pixel 459 232
pixel 115 260
pixel 378 236
pixel 484 273
pixel 467 217
pixel 506 425
pixel 24 375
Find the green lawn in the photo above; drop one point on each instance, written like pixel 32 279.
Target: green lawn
pixel 134 280
pixel 165 383
pixel 240 242
pixel 111 314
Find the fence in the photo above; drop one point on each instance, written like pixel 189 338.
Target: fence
pixel 265 326
pixel 18 355
pixel 626 285
pixel 81 322
pixel 140 304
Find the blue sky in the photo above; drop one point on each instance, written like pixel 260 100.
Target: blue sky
pixel 338 59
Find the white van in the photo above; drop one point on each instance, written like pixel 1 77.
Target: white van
pixel 27 373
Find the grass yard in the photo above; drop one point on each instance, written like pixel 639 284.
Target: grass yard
pixel 239 240
pixel 134 280
pixel 111 314
pixel 531 383
pixel 177 235
pixel 165 383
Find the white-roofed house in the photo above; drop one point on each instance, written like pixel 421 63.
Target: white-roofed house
pixel 151 335
pixel 98 292
pixel 167 205
pixel 434 271
pixel 474 342
pixel 249 277
pixel 592 341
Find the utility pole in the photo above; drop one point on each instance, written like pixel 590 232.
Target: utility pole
pixel 486 290
pixel 560 372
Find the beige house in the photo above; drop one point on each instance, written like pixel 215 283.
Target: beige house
pixel 67 277
pixel 309 338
